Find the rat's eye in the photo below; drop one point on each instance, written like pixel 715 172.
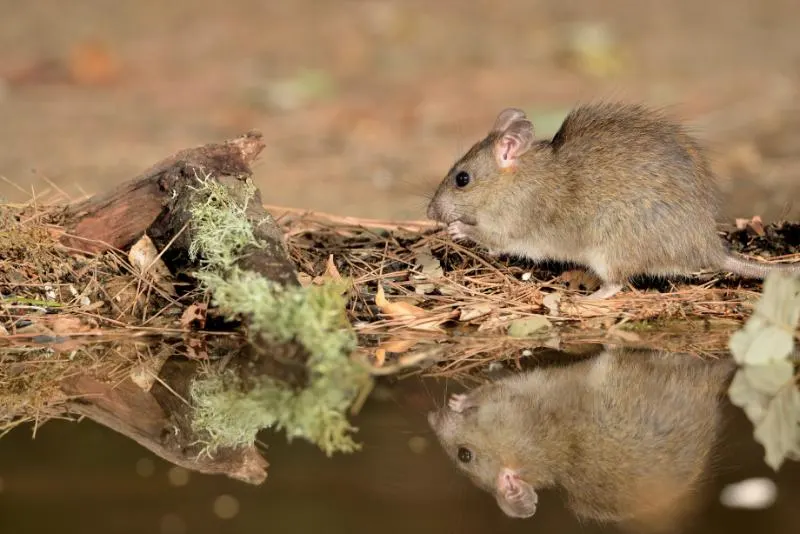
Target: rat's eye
pixel 464 455
pixel 462 179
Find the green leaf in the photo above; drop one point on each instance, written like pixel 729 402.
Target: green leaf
pixel 771 401
pixel 779 431
pixel 768 335
pixel 528 326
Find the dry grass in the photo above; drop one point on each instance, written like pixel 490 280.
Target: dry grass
pixel 446 308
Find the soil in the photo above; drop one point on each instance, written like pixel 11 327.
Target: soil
pixel 365 104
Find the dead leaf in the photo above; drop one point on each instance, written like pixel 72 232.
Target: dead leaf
pixel 143 256
pixel 552 301
pixel 755 224
pixel 468 313
pixel 195 312
pixel 406 310
pixel 305 279
pixel 145 373
pixel 331 271
pixel 397 309
pixel 393 346
pixel 68 324
pixel 428 270
pixel 196 348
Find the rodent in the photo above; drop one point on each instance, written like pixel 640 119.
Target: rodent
pixel 620 188
pixel 626 435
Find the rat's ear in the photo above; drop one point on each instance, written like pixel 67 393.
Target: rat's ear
pixel 514 140
pixel 506 118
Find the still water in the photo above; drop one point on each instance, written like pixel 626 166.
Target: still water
pixel 82 477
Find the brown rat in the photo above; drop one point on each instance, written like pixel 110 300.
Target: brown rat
pixel 620 188
pixel 627 435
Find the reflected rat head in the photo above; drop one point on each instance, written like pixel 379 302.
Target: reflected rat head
pixel 473 435
pixel 473 183
pixel 468 441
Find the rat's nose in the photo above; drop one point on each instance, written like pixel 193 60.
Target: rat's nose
pixel 433 213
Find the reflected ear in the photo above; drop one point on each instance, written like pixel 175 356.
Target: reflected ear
pixel 513 142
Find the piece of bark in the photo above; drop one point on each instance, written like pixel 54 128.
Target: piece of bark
pixel 117 218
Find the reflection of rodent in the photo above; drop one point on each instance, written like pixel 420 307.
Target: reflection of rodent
pixel 620 188
pixel 627 435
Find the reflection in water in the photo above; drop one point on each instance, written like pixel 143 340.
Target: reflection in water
pixel 626 435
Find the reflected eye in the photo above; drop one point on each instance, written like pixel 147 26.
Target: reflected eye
pixel 464 455
pixel 462 179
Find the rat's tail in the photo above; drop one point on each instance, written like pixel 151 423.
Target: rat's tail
pixel 753 269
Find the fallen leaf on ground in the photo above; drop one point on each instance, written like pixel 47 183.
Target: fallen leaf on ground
pixel 755 224
pixel 468 313
pixel 552 302
pixel 428 269
pixel 331 271
pixel 195 312
pixel 143 256
pixel 405 310
pixel 145 373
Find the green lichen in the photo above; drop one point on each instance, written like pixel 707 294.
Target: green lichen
pixel 231 413
pixel 221 227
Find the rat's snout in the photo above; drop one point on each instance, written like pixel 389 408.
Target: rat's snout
pixel 433 209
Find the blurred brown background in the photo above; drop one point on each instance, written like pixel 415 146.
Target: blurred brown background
pixel 366 103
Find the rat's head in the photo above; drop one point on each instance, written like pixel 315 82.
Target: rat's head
pixel 481 439
pixel 473 183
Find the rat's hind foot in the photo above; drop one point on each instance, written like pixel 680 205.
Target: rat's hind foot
pixel 458 402
pixel 606 291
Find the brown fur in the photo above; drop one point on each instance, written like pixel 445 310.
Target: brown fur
pixel 620 188
pixel 627 435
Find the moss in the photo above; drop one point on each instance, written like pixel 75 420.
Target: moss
pixel 230 412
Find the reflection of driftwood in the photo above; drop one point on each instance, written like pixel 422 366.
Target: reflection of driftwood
pixel 159 203
pixel 127 409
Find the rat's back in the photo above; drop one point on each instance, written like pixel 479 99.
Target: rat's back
pixel 616 146
pixel 638 178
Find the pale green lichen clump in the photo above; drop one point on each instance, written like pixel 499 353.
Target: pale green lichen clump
pixel 230 413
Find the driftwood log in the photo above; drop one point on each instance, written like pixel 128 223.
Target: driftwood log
pixel 157 203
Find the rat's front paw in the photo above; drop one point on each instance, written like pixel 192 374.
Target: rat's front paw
pixel 458 402
pixel 459 231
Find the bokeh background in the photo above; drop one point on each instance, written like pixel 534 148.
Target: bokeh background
pixel 364 104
